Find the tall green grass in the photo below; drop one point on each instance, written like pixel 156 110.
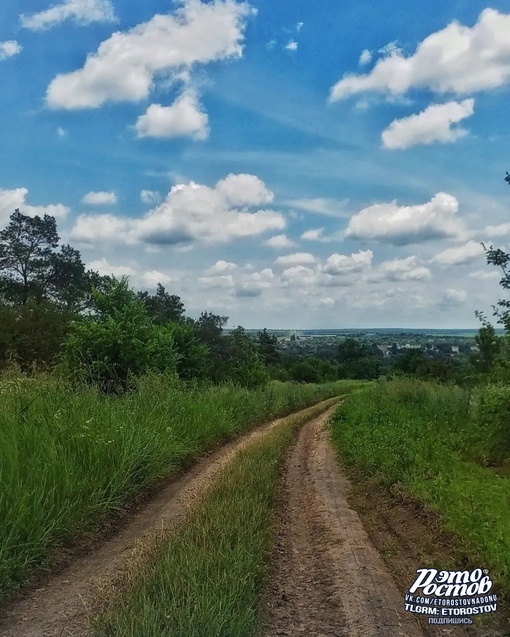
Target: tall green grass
pixel 207 577
pixel 425 437
pixel 70 459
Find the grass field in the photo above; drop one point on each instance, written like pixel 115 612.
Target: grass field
pixel 207 577
pixel 426 437
pixel 70 460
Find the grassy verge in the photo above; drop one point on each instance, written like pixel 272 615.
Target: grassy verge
pixel 413 435
pixel 70 460
pixel 207 578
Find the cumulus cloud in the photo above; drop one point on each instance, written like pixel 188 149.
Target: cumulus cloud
pixel 339 264
pixel 457 59
pixel 100 198
pixel 9 49
pixel 401 225
pixel 292 46
pixel 126 65
pixel 298 258
pixel 244 190
pixel 339 270
pixel 280 241
pixel 365 57
pixel 191 212
pixel 61 132
pixel 434 124
pixel 471 251
pixel 317 234
pixel 221 267
pixel 10 200
pixel 82 12
pixel 407 269
pixel 150 197
pixel 184 118
pixel 139 278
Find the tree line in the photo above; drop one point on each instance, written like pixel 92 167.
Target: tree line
pixel 57 314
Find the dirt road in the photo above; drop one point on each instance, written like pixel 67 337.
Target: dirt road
pixel 64 605
pixel 328 580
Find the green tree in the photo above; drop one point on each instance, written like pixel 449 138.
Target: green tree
pixel 242 364
pixel 162 307
pixel 27 247
pixel 358 360
pixel 119 341
pixel 268 347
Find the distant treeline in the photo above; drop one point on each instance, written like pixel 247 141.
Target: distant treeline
pixel 55 314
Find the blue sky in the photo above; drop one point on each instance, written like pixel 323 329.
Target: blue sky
pixel 289 164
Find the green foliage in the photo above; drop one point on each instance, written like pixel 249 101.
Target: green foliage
pixel 267 346
pixel 242 364
pixel 193 362
pixel 493 417
pixel 69 459
pixel 426 437
pixel 118 343
pixel 31 335
pixel 358 360
pixel 234 520
pixel 162 307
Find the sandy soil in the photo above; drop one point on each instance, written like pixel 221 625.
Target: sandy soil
pixel 328 580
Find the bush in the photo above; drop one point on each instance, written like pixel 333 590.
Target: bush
pixel 494 420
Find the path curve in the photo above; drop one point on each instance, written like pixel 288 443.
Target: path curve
pixel 62 607
pixel 328 580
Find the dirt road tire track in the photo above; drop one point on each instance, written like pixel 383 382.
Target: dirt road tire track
pixel 328 580
pixel 64 605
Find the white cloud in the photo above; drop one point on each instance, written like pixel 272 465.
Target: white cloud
pixel 137 277
pixel 100 198
pixel 9 49
pixel 365 57
pixel 338 270
pixel 150 197
pixel 298 258
pixel 407 269
pixel 82 12
pixel 10 200
pixel 126 66
pixel 217 281
pixel 327 207
pixel 340 264
pixel 183 118
pixel 153 277
pixel 291 46
pixel 220 267
pixel 299 26
pixel 434 124
pixel 471 251
pixel 453 297
pixel 61 132
pixel 457 59
pixel 316 234
pixel 280 241
pixel 105 268
pixel 401 225
pixel 190 212
pixel 498 231
pixel 485 275
pixel 244 190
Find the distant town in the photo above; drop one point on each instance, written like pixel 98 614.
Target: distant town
pixel 455 344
